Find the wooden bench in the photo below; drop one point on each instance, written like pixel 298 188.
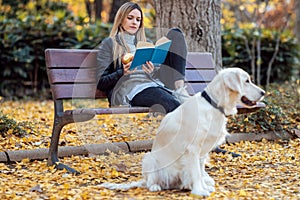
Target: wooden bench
pixel 71 74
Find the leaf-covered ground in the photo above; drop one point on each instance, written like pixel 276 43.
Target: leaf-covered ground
pixel 266 170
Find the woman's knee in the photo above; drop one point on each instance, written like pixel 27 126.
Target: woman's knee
pixel 175 33
pixel 166 105
pixel 172 105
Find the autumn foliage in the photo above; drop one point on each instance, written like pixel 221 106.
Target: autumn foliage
pixel 266 170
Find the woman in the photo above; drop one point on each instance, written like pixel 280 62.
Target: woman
pixel 152 86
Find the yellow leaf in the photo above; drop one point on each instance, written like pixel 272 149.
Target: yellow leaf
pixel 242 193
pixel 25 160
pixel 114 173
pixel 273 116
pixel 66 185
pixel 257 186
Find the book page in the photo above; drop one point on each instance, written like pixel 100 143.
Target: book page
pixel 141 44
pixel 162 41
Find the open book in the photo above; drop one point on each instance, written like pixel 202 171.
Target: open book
pixel 147 51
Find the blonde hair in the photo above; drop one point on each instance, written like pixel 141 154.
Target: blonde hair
pixel 116 32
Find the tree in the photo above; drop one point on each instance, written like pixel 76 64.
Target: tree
pixel 297 24
pixel 259 15
pixel 94 9
pixel 116 4
pixel 98 9
pixel 199 20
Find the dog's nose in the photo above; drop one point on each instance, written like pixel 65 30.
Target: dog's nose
pixel 262 93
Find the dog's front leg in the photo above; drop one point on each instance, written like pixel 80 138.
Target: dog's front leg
pixel 209 182
pixel 192 167
pixel 150 172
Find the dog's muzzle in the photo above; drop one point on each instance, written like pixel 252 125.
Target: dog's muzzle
pixel 250 103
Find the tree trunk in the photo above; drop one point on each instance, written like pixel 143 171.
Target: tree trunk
pixel 297 24
pixel 198 19
pixel 116 4
pixel 98 9
pixel 88 8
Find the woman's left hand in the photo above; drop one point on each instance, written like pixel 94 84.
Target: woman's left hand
pixel 148 67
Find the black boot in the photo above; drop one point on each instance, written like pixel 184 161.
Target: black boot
pixel 219 150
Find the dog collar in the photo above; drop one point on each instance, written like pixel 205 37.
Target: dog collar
pixel 209 100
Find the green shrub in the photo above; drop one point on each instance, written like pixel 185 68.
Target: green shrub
pixel 10 126
pixel 271 118
pixel 286 65
pixel 280 115
pixel 29 33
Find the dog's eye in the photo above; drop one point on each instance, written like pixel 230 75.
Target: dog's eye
pixel 247 81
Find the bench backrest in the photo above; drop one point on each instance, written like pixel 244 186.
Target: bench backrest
pixel 72 73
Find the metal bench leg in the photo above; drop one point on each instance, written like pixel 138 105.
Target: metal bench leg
pixel 53 150
pixel 59 122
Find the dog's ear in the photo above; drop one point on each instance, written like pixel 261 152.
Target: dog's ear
pixel 233 81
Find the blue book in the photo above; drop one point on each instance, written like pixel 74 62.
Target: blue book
pixel 147 51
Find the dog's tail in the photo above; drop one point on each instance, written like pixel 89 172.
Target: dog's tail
pixel 124 186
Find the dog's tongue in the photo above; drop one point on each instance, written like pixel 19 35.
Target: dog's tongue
pixel 246 101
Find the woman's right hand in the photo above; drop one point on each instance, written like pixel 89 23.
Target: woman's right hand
pixel 127 70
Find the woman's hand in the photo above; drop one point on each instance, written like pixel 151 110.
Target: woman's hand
pixel 127 70
pixel 148 67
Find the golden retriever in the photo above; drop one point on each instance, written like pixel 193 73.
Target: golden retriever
pixel 187 135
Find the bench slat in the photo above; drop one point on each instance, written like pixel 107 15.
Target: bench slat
pixel 199 75
pixel 88 91
pixel 70 58
pixel 87 75
pixel 82 75
pixel 73 58
pixel 80 91
pixel 193 61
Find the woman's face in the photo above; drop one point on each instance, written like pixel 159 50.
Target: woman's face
pixel 132 22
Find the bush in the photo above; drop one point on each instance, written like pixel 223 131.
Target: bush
pixel 10 126
pixel 271 118
pixel 286 65
pixel 29 33
pixel 280 115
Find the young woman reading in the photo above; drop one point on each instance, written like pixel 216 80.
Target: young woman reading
pixel 152 86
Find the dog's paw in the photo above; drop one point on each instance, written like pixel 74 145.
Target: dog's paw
pixel 155 188
pixel 209 184
pixel 209 181
pixel 210 188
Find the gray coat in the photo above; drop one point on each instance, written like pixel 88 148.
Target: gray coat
pixel 110 76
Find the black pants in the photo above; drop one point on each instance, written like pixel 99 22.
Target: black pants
pixel 157 98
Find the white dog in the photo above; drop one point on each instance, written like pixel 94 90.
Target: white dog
pixel 189 133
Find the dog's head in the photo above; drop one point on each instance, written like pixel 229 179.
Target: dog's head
pixel 239 81
pixel 234 87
